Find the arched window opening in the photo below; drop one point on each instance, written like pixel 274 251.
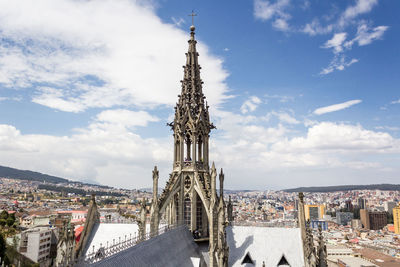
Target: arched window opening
pixel 200 149
pixel 199 214
pixel 187 148
pixel 177 151
pixel 187 211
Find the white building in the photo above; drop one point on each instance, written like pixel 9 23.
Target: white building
pixel 35 243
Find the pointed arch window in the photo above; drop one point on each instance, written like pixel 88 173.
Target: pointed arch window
pixel 199 213
pixel 187 148
pixel 187 211
pixel 247 259
pixel 200 148
pixel 177 152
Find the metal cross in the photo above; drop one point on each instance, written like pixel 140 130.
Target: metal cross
pixel 193 15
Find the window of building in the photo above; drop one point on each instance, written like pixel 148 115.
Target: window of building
pixel 199 213
pixel 187 210
pixel 247 259
pixel 283 261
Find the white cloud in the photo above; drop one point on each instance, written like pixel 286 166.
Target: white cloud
pixel 336 107
pixel 306 4
pixel 281 24
pixel 110 151
pixel 315 28
pixel 282 98
pixel 348 15
pixel 338 62
pixel 178 22
pixel 250 104
pixel 395 101
pixel 6 98
pixel 365 35
pixel 336 42
pixel 343 138
pixel 86 54
pixel 361 7
pixel 330 149
pixel 107 151
pixel 283 117
pixel 126 118
pixel 265 10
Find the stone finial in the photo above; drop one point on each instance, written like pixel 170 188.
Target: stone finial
pixel 301 197
pixel 155 173
pixel 221 183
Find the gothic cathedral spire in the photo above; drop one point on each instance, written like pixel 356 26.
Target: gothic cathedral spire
pixel 190 195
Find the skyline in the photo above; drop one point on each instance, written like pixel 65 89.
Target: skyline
pixel 302 93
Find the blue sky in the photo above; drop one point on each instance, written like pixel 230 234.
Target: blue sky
pixel 302 92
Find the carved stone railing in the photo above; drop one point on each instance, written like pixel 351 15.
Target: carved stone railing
pixel 106 250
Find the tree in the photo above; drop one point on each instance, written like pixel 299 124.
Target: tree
pixel 3 222
pixel 10 221
pixel 4 215
pixel 3 247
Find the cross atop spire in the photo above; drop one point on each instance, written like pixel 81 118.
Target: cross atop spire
pixel 192 15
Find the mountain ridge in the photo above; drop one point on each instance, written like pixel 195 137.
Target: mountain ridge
pixel 335 188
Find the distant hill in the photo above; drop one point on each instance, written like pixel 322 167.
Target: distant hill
pixel 322 189
pixel 7 172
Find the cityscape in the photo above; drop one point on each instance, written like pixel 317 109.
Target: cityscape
pixel 275 144
pixel 361 225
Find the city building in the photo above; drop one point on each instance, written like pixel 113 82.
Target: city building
pixel 35 243
pixel 314 212
pixel 362 203
pixel 316 224
pixel 349 205
pixel 343 218
pixel 373 220
pixel 389 206
pixel 396 219
pixel 356 224
pixel 364 218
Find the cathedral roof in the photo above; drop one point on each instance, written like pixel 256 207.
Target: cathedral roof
pixel 264 244
pixel 172 248
pixel 106 232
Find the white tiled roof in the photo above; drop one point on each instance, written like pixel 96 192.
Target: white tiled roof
pixel 106 232
pixel 264 244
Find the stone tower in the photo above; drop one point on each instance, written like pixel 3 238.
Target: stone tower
pixel 190 196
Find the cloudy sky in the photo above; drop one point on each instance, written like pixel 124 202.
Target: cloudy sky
pixel 302 92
